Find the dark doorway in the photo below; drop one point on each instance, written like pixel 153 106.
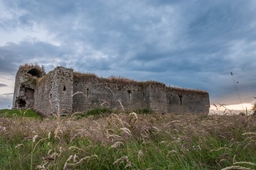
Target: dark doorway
pixel 21 103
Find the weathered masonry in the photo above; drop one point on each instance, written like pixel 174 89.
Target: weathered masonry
pixel 65 91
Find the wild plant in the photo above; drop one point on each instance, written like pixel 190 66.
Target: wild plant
pixel 134 141
pixel 34 145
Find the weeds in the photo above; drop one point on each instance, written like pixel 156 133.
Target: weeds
pixel 96 113
pixel 143 111
pixel 129 141
pixel 20 113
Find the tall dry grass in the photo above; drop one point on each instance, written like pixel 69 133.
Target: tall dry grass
pixel 129 141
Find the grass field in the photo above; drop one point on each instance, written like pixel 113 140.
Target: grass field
pixel 128 141
pixel 8 113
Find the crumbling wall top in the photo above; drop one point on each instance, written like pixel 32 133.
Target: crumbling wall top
pixel 32 69
pixel 186 90
pixel 115 80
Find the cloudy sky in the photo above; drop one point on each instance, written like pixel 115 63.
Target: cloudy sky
pixel 192 44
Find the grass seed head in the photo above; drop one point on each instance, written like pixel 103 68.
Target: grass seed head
pixel 117 144
pixel 34 138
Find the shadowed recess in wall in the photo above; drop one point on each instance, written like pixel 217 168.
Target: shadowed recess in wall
pixel 35 72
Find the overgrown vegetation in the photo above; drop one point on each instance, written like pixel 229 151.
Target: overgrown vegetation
pixel 129 141
pixel 144 111
pixel 7 113
pixel 97 113
pixel 28 66
pixel 254 109
pixel 103 112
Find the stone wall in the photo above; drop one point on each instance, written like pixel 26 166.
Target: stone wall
pixel 123 94
pixel 25 85
pixel 116 93
pixel 64 91
pixel 54 92
pixel 42 94
pixel 187 101
pixel 157 97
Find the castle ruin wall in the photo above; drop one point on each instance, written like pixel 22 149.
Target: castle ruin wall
pixel 187 101
pixel 64 91
pixel 157 97
pixel 93 92
pixel 54 92
pixel 25 85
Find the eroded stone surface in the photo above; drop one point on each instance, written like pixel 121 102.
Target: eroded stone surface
pixel 65 91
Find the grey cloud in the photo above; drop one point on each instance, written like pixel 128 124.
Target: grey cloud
pixel 13 55
pixel 42 53
pixel 7 94
pixel 3 85
pixel 188 44
pixel 217 25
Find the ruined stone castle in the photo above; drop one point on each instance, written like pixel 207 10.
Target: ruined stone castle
pixel 65 91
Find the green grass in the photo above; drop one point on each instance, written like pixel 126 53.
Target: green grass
pixel 129 141
pixel 104 112
pixel 98 111
pixel 19 113
pixel 143 111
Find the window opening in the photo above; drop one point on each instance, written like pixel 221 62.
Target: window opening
pixel 180 96
pixel 130 94
pixel 64 88
pixel 87 92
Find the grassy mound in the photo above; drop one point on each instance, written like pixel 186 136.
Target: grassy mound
pixel 19 113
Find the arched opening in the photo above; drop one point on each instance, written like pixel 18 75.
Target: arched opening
pixel 64 88
pixel 21 103
pixel 35 72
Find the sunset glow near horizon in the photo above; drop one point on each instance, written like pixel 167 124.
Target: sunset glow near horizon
pixel 242 106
